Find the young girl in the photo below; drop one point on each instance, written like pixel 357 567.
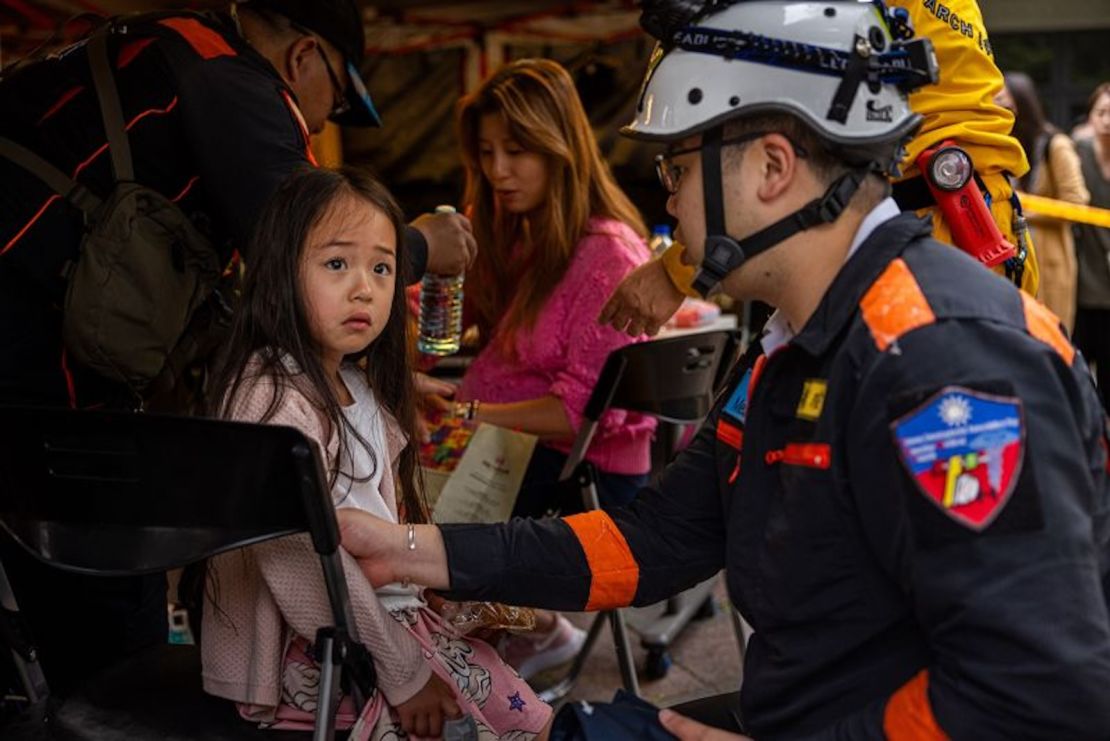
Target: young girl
pixel 319 344
pixel 557 235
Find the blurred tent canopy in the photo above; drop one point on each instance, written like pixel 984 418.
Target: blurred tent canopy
pixel 422 56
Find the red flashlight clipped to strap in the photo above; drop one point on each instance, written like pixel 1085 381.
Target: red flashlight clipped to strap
pixel 949 175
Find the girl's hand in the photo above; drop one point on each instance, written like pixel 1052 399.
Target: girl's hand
pixel 690 730
pixel 422 714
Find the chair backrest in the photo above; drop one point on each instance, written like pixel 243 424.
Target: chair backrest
pixel 672 378
pixel 122 493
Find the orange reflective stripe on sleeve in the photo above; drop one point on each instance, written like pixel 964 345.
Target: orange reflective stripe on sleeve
pixel 895 305
pixel 205 42
pixel 909 716
pixel 1044 325
pixel 614 573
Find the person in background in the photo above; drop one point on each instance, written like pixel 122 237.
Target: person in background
pixel 319 344
pixel 1054 172
pixel 1092 243
pixel 556 235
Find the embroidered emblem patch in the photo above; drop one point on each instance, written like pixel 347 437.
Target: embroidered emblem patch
pixel 813 399
pixel 964 450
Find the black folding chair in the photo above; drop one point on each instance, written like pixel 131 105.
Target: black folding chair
pixel 115 493
pixel 673 380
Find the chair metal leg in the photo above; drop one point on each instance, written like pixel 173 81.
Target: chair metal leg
pixel 327 701
pixel 562 688
pixel 664 628
pixel 23 653
pixel 624 652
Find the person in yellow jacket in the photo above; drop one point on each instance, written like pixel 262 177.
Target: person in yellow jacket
pixel 959 107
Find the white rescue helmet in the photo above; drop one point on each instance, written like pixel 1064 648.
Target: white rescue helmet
pixel 843 67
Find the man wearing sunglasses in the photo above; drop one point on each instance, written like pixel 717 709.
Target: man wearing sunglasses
pixel 218 108
pixel 905 480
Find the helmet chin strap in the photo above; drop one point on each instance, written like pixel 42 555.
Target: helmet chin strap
pixel 723 254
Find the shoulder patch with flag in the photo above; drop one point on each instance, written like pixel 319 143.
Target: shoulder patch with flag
pixel 964 451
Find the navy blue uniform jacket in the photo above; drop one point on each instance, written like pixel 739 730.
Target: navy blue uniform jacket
pixel 890 597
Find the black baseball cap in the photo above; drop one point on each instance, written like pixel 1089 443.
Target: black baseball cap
pixel 339 22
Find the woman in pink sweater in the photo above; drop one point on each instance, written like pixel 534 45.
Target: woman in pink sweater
pixel 319 344
pixel 557 235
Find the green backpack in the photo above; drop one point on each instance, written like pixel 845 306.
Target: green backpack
pixel 143 272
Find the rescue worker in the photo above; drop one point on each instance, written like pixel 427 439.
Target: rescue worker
pixel 960 107
pixel 905 481
pixel 219 109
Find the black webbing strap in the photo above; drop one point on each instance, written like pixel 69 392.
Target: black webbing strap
pixel 908 64
pixel 711 181
pixel 62 184
pixel 111 111
pixel 723 255
pixel 854 74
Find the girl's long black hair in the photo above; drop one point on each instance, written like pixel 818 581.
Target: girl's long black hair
pixel 271 323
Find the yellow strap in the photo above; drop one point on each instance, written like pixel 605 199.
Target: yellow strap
pixel 1064 211
pixel 681 274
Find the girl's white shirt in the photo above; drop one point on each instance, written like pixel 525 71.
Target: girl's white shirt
pixel 358 485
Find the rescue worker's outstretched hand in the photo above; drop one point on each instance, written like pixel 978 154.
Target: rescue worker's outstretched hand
pixel 643 302
pixel 451 243
pixel 686 729
pixel 367 538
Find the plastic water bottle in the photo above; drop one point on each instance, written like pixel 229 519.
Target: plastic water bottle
pixel 441 307
pixel 660 239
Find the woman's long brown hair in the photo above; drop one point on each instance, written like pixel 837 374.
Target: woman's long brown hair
pixel 271 323
pixel 544 115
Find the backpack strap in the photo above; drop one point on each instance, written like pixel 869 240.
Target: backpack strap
pixel 114 128
pixel 62 184
pixel 111 111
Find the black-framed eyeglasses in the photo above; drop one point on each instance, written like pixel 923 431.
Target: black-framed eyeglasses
pixel 340 104
pixel 671 174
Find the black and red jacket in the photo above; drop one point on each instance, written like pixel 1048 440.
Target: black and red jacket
pixel 212 126
pixel 880 610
